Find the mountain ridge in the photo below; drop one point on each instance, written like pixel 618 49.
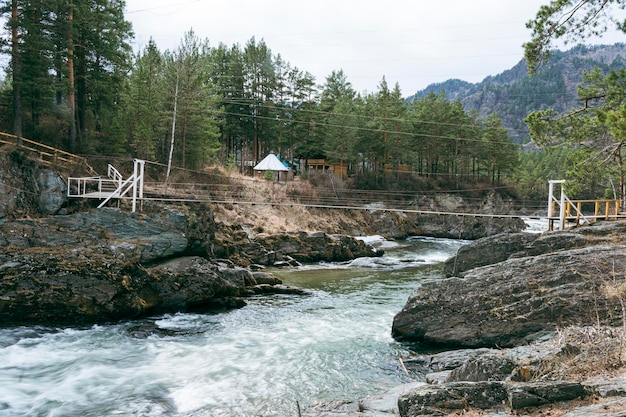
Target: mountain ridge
pixel 513 94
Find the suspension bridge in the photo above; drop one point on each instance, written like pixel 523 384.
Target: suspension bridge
pixel 562 212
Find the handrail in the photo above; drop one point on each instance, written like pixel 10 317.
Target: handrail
pixel 118 191
pixel 114 174
pixel 57 156
pixel 572 209
pixel 135 183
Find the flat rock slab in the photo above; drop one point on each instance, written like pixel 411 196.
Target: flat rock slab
pixel 615 408
pixel 513 302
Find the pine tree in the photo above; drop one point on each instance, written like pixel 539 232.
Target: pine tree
pixel 500 154
pixel 145 104
pixel 571 20
pixel 196 102
pixel 338 103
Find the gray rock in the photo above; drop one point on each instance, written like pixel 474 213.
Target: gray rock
pixel 437 377
pixel 487 251
pixel 443 361
pixel 465 227
pixel 488 367
pixel 446 398
pixel 387 402
pixel 513 302
pixel 53 192
pixel 600 410
pixel 552 242
pixel 313 247
pixel 542 393
pixel 110 265
pixel 608 387
pixel 288 248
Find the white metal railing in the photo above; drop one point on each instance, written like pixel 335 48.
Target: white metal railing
pixel 107 189
pixel 561 202
pixel 114 174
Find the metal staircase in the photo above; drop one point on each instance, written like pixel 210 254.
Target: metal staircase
pixel 112 187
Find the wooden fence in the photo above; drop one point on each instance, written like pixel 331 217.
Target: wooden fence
pixel 46 155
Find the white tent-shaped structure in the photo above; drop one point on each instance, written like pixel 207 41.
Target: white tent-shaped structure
pixel 271 163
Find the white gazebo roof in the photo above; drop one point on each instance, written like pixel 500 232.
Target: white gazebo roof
pixel 270 163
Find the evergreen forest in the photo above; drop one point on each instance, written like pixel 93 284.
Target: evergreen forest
pixel 74 82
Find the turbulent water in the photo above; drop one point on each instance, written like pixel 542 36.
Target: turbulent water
pixel 261 360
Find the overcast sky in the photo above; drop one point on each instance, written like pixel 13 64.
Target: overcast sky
pixel 411 42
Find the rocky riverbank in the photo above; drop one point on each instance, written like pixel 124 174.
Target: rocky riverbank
pixel 109 264
pixel 507 290
pixel 529 325
pixel 63 262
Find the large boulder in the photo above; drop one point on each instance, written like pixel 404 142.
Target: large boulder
pixel 244 248
pixel 487 251
pixel 497 248
pixel 108 265
pixel 52 192
pixel 515 301
pixel 544 282
pixel 70 288
pixel 463 226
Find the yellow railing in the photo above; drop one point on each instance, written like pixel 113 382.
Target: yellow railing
pixel 47 155
pixel 574 212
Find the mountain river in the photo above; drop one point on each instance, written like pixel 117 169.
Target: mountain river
pixel 260 360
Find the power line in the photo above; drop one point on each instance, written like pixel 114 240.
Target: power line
pixel 164 6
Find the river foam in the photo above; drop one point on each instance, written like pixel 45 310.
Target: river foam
pixel 255 361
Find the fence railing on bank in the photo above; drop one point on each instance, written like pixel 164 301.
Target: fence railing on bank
pixel 46 155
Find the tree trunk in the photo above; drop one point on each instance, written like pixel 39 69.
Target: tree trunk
pixel 71 97
pixel 169 159
pixel 17 72
pixel 183 141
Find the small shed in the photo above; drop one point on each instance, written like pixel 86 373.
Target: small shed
pixel 272 163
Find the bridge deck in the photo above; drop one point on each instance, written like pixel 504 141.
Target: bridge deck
pixel 97 195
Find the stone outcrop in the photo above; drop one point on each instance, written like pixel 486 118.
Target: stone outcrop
pixel 444 399
pixel 464 226
pixel 315 247
pixel 493 249
pixel 110 264
pixel 287 248
pixel 514 291
pixel 487 251
pixel 506 380
pixel 523 297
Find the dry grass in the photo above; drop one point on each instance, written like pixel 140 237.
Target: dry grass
pixel 276 212
pixel 585 352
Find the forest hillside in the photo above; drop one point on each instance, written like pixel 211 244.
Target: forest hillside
pixel 513 94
